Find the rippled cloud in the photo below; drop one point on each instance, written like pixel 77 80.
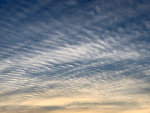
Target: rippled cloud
pixel 74 56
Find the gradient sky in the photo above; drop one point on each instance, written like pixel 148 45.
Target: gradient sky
pixel 74 56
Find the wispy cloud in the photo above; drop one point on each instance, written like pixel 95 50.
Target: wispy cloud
pixel 74 56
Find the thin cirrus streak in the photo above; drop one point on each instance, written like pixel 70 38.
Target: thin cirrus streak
pixel 74 56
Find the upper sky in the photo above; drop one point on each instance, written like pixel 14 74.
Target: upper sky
pixel 74 56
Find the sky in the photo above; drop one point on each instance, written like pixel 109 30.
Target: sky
pixel 74 56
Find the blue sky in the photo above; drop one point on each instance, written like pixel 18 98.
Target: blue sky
pixel 76 56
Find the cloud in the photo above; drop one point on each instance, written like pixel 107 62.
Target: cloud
pixel 72 55
pixel 24 109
